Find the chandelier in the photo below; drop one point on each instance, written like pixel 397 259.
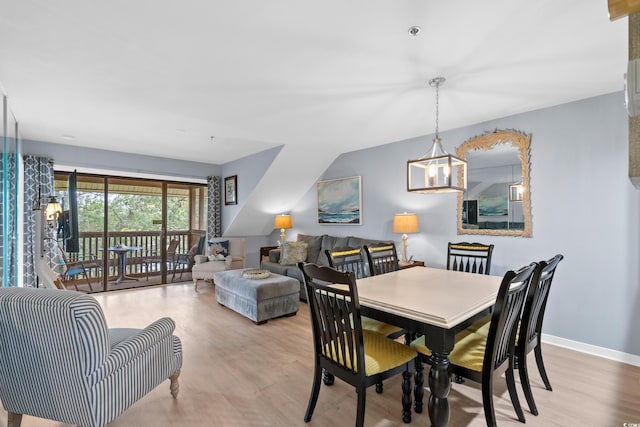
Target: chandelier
pixel 437 171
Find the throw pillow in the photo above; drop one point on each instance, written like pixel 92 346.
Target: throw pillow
pixel 218 257
pixel 293 253
pixel 221 247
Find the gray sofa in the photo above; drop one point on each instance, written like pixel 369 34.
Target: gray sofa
pixel 316 246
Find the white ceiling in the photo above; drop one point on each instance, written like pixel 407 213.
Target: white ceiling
pixel 161 78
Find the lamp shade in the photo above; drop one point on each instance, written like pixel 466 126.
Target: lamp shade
pixel 405 223
pixel 282 221
pixel 53 209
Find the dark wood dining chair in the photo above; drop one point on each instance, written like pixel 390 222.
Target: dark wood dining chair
pixel 531 328
pixel 480 357
pixel 343 348
pixel 382 258
pixel 349 259
pixel 469 257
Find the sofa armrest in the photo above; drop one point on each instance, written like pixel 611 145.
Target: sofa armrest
pixel 274 255
pixel 199 259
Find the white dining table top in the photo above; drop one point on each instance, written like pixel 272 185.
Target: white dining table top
pixel 433 296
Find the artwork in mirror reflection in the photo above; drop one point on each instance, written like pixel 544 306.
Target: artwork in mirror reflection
pixel 497 162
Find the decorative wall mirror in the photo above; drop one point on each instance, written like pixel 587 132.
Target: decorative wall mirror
pixel 497 201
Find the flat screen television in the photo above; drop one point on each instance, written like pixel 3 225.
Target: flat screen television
pixel 72 241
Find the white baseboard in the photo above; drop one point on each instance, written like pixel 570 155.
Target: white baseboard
pixel 618 356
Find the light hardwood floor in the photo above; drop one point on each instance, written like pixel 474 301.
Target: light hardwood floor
pixel 238 374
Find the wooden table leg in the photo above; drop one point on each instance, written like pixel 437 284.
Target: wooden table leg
pixel 440 385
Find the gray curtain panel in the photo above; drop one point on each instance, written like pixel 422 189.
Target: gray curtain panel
pixel 214 207
pixel 38 182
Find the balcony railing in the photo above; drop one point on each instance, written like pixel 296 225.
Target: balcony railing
pixel 91 245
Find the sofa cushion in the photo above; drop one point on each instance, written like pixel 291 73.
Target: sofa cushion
pixel 293 253
pixel 275 267
pixel 330 242
pixel 314 244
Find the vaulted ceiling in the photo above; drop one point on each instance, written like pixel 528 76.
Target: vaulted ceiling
pixel 165 77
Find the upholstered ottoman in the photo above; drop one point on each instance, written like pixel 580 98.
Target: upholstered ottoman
pixel 257 299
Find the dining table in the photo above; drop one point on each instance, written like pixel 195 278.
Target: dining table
pixel 436 303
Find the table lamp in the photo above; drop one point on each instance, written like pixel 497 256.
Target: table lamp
pixel 405 223
pixel 282 222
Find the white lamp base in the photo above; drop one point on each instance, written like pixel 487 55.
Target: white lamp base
pixel 404 248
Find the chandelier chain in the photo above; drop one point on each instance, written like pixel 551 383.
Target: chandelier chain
pixel 437 108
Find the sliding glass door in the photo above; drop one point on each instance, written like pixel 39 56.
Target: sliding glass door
pixel 127 225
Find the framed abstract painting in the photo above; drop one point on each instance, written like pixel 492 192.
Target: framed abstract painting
pixel 340 201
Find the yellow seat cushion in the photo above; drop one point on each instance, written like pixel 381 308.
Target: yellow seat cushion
pixel 373 325
pixel 467 352
pixel 481 326
pixel 381 354
pixel 419 345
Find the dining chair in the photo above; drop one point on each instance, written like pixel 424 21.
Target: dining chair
pixel 382 258
pixel 469 257
pixel 343 348
pixel 80 266
pixel 530 330
pixel 481 357
pixel 349 259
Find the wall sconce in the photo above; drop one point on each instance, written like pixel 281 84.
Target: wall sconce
pixel 283 222
pixel 405 223
pixel 53 209
pixel 47 210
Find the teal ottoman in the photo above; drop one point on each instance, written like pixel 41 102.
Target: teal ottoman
pixel 257 299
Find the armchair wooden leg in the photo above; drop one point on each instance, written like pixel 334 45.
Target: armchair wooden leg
pixel 14 420
pixel 195 283
pixel 175 386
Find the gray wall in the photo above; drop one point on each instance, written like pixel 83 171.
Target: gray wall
pixel 91 158
pixel 583 206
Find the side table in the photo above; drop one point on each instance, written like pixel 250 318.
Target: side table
pixel 405 264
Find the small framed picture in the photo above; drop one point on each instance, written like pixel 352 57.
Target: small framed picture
pixel 231 190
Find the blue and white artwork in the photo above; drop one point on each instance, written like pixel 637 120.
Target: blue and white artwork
pixel 340 201
pixel 493 205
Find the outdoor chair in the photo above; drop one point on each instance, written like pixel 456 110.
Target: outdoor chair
pixel 482 358
pixel 61 362
pixel 79 267
pixel 153 260
pixel 343 348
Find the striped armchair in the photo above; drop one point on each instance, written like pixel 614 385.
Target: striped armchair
pixel 61 362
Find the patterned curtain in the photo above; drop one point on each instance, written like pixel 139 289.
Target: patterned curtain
pixel 38 182
pixel 214 207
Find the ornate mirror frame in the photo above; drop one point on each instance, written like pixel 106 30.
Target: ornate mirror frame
pixel 487 142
